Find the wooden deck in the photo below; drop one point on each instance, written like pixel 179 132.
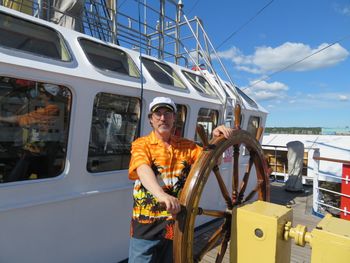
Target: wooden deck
pixel 302 209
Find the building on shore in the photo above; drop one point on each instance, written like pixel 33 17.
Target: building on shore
pixel 309 130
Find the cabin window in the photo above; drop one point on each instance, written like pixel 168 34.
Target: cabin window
pixel 108 58
pixel 253 125
pixel 113 129
pixel 34 119
pixel 163 73
pixel 251 102
pixel 181 114
pixel 208 118
pixel 199 83
pixel 19 34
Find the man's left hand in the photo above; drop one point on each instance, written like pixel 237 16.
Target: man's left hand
pixel 222 130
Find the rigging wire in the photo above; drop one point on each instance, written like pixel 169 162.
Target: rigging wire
pixel 296 62
pixel 121 4
pixel 244 25
pixel 193 7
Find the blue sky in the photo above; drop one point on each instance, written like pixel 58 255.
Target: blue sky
pixel 314 92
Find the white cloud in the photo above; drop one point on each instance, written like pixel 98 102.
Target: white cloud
pixel 344 10
pixel 327 97
pixel 269 59
pixel 343 97
pixel 318 100
pixel 263 91
pixel 235 55
pixel 249 69
pixel 272 86
pixel 274 93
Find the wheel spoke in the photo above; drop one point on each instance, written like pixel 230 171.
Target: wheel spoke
pixel 235 173
pixel 262 177
pixel 244 182
pixel 213 213
pixel 202 135
pixel 211 242
pixel 222 186
pixel 252 193
pixel 223 248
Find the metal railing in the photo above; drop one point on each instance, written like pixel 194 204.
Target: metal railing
pixel 276 149
pixel 332 205
pixel 142 26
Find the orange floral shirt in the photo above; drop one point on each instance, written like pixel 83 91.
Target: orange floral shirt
pixel 39 121
pixel 42 116
pixel 171 166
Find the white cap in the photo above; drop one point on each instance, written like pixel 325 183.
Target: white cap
pixel 52 89
pixel 162 102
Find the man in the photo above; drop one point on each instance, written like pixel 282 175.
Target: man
pixel 160 163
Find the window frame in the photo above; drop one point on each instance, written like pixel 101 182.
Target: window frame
pixel 214 122
pixel 24 132
pixel 250 125
pixel 129 61
pixel 208 92
pixel 90 165
pixel 181 118
pixel 243 95
pixel 59 45
pixel 160 66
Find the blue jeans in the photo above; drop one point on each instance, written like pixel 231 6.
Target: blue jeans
pixel 150 251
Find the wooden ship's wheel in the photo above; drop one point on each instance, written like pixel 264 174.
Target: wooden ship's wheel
pixel 208 165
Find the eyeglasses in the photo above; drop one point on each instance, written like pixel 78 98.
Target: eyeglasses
pixel 166 114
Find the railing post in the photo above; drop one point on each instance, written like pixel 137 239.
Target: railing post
pixel 40 9
pixel 275 175
pixel 316 167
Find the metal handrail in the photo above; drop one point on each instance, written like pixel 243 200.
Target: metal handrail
pixel 331 160
pixel 108 23
pixel 316 188
pixel 274 148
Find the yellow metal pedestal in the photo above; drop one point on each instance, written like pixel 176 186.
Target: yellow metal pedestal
pixel 260 227
pixel 331 241
pixel 262 232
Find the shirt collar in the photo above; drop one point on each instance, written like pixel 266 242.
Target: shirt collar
pixel 174 140
pixel 153 138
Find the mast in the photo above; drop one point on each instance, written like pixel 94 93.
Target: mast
pixel 112 7
pixel 161 30
pixel 179 8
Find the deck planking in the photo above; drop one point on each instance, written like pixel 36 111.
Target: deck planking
pixel 301 203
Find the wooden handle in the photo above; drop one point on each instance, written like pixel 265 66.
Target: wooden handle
pixel 237 116
pixel 202 135
pixel 163 208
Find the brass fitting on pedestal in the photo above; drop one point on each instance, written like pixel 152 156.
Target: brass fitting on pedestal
pixel 298 233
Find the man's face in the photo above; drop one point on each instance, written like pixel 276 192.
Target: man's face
pixel 162 120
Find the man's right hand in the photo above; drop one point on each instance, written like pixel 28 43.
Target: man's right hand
pixel 149 181
pixel 171 203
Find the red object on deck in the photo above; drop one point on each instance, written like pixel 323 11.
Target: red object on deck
pixel 345 189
